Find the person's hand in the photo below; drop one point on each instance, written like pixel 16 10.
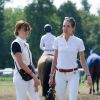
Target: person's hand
pixel 51 81
pixel 89 80
pixel 36 87
pixel 36 84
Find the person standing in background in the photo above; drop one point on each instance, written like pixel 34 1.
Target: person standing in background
pixel 47 40
pixel 45 61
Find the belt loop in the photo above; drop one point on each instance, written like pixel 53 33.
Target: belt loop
pixel 58 70
pixel 73 70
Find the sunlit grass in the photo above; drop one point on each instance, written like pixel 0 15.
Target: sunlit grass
pixel 7 90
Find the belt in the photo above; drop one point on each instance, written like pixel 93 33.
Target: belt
pixel 66 70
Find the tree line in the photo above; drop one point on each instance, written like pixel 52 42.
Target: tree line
pixel 39 13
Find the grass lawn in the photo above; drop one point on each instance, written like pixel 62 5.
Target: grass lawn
pixel 7 91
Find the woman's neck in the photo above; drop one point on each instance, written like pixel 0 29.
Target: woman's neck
pixel 66 36
pixel 23 38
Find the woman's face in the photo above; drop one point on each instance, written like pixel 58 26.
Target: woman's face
pixel 67 28
pixel 23 32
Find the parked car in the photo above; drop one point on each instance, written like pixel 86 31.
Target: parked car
pixel 8 72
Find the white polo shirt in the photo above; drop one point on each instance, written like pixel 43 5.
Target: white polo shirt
pixel 20 45
pixel 67 51
pixel 46 43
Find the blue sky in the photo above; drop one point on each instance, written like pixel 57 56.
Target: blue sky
pixel 95 4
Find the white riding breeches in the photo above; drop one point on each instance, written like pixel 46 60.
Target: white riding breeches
pixel 24 87
pixel 64 80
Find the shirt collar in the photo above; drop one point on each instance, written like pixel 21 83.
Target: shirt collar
pixel 69 37
pixel 22 40
pixel 48 33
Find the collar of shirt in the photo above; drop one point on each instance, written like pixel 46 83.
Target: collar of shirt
pixel 48 33
pixel 22 40
pixel 70 37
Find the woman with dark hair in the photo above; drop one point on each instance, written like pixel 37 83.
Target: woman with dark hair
pixel 64 65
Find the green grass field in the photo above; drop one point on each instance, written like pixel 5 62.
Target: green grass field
pixel 7 91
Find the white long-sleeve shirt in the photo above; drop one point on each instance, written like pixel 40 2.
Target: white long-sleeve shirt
pixel 46 43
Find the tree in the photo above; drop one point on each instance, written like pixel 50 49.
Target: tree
pixel 1 33
pixel 10 18
pixel 86 5
pixel 39 13
pixel 91 31
pixel 69 9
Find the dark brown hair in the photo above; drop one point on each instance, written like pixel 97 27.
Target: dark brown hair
pixel 20 24
pixel 71 20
